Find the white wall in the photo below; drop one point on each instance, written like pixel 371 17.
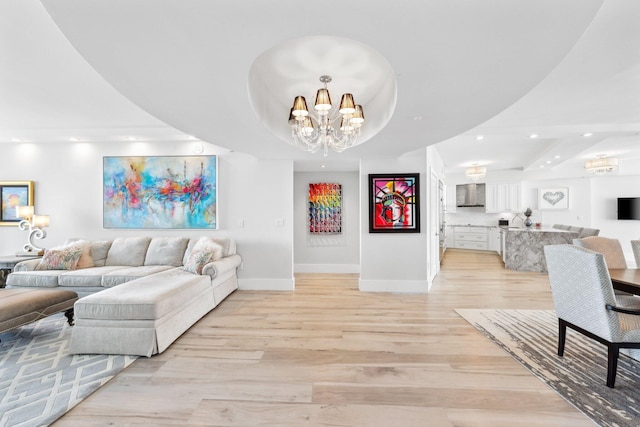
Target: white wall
pixel 68 187
pixel 579 212
pixel 327 254
pixel 394 262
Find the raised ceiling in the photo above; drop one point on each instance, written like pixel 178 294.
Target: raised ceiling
pixel 105 70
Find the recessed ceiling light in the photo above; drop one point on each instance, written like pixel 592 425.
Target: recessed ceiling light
pixel 322 166
pixel 587 134
pixel 479 138
pixel 131 138
pixel 548 162
pixel 541 166
pixel 74 139
pixel 16 140
pixel 533 136
pixel 556 157
pixel 418 118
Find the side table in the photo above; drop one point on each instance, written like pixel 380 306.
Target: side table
pixel 8 262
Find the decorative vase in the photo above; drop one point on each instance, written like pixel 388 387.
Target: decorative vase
pixel 528 222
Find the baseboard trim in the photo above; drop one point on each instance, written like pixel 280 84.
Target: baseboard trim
pixel 266 284
pixel 326 268
pixel 395 286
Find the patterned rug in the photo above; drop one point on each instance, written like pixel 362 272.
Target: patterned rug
pixel 40 380
pixel 531 337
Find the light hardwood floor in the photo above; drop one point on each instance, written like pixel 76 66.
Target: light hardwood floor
pixel 327 354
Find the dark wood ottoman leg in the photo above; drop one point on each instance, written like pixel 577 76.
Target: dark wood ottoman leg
pixel 69 315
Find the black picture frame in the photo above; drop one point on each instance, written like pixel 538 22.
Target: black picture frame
pixel 394 203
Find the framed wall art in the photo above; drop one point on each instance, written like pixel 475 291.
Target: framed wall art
pixel 556 198
pixel 160 192
pixel 325 208
pixel 394 204
pixel 13 194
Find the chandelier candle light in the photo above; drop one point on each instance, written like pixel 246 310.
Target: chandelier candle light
pixel 35 224
pixel 312 131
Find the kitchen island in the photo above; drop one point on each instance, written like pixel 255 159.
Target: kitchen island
pixel 524 247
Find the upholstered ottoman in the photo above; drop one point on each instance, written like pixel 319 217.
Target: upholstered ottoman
pixel 21 306
pixel 141 317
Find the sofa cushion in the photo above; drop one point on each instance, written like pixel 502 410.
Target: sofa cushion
pixel 86 277
pixel 99 251
pixel 128 274
pixel 197 260
pixel 128 251
pixel 166 251
pixel 227 245
pixel 64 258
pixel 147 298
pixel 34 279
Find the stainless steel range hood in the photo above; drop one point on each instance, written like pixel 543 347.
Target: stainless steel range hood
pixel 470 195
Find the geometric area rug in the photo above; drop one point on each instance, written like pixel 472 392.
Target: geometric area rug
pixel 40 381
pixel 531 337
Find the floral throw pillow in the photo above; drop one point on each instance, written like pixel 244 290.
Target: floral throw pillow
pixel 197 260
pixel 60 259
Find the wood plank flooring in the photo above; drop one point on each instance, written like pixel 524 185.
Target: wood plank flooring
pixel 327 354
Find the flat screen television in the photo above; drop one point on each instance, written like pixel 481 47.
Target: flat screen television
pixel 629 208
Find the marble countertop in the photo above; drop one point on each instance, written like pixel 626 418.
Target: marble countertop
pixel 537 230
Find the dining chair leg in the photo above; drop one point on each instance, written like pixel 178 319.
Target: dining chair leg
pixel 562 336
pixel 613 352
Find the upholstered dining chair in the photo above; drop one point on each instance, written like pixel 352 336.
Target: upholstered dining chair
pixel 584 301
pixel 610 248
pixel 588 232
pixel 635 245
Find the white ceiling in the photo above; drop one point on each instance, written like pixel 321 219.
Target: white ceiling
pixel 103 71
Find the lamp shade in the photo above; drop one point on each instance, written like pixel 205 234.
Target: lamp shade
pixel 307 126
pixel 41 221
pixel 358 115
pixel 25 212
pixel 300 107
pixel 347 106
pixel 346 126
pixel 323 100
pixel 292 118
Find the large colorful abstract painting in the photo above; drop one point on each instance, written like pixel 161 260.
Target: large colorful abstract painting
pixel 325 208
pixel 160 192
pixel 394 205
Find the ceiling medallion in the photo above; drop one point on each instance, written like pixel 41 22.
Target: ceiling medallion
pixel 323 128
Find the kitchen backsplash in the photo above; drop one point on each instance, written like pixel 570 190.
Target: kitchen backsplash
pixel 476 216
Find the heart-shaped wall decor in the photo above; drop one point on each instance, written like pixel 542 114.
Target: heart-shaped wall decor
pixel 553 198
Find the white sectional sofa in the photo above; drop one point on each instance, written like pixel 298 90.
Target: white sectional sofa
pixel 138 294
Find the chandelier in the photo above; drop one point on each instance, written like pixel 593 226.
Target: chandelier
pixel 601 165
pixel 475 172
pixel 323 128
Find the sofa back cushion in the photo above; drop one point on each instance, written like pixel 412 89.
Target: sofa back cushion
pixel 129 251
pixel 99 252
pixel 166 251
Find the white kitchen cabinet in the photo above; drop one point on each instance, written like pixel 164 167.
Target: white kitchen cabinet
pixel 470 237
pixel 448 236
pixel 503 198
pixel 493 242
